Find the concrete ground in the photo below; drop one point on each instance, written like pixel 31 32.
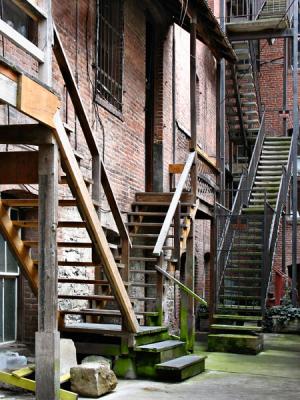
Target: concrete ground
pixel 271 375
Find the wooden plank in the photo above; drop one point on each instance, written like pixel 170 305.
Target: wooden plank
pixel 47 339
pixel 71 85
pixel 8 72
pixel 114 206
pixel 20 41
pixel 22 372
pixel 18 248
pixel 207 159
pixel 30 385
pixel 36 101
pixel 8 90
pixel 176 168
pixel 173 205
pixel 19 167
pixel 95 230
pixel 33 134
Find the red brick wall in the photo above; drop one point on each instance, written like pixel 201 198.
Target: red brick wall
pixel 122 140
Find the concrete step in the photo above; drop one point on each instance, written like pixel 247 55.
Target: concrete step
pixel 181 368
pixel 235 343
pixel 236 328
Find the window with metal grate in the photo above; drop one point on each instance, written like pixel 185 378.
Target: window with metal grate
pixel 110 49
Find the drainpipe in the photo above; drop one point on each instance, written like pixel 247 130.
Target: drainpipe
pixel 294 153
pixel 174 94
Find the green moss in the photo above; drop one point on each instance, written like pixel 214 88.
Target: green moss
pixel 231 343
pixel 124 367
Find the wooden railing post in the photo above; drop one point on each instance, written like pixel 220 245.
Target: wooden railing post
pixel 159 291
pixel 177 234
pixel 96 189
pixel 187 315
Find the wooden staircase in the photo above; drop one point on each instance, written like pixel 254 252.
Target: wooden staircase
pixel 244 283
pixel 98 310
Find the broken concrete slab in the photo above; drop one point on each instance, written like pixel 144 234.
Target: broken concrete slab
pixel 68 357
pixel 92 379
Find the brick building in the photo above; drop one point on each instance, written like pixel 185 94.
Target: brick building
pixel 125 140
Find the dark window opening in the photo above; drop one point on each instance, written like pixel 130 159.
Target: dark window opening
pixel 110 43
pixel 18 20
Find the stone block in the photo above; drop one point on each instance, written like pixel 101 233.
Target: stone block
pixel 92 379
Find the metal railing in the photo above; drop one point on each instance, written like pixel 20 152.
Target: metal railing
pixel 272 222
pixel 241 199
pixel 251 10
pixel 253 59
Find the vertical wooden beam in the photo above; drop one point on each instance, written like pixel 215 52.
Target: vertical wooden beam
pixel 294 153
pixel 47 337
pixel 45 41
pixel 187 314
pixel 159 291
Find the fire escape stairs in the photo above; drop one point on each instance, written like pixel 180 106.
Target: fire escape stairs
pixel 242 104
pixel 241 299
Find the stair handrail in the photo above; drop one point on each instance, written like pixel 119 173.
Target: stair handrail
pixel 247 179
pixel 181 285
pixel 173 205
pixel 98 168
pixel 253 60
pixel 241 199
pixel 271 235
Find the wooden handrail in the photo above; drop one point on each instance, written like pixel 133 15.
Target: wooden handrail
pixel 88 133
pixel 207 160
pixel 181 285
pixel 114 206
pixel 173 205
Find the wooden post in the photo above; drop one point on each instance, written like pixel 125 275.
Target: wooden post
pixel 187 314
pixel 47 337
pixel 159 291
pixel 221 112
pixel 213 270
pixel 177 232
pixel 45 41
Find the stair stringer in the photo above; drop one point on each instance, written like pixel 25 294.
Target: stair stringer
pixel 21 252
pixel 86 207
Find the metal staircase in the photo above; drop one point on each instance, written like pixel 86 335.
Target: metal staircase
pixel 247 246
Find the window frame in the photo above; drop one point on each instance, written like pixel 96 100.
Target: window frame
pixel 98 98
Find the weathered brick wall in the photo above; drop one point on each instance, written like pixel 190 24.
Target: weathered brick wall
pixel 122 140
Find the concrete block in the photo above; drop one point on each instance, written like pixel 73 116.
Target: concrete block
pixel 233 343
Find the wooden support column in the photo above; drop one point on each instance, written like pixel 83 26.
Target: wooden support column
pixel 187 314
pixel 47 337
pixel 212 270
pixel 294 154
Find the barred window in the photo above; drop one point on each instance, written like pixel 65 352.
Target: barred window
pixel 110 27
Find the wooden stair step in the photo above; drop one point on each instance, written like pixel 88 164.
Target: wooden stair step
pixel 90 311
pixel 150 247
pixel 236 327
pixel 87 281
pixel 141 298
pixel 61 224
pixel 85 297
pixel 141 258
pixel 159 204
pixel 24 203
pixel 143 271
pixel 239 297
pixel 35 243
pixel 141 284
pixel 148 235
pixel 239 308
pixel 159 347
pixel 237 317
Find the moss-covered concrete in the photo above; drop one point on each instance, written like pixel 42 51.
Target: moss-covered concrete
pixel 235 343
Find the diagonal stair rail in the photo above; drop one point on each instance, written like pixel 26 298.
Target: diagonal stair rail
pixel 272 222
